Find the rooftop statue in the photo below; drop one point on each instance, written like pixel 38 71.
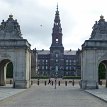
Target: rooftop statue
pixel 99 29
pixel 10 29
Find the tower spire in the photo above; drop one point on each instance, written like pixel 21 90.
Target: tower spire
pixel 57 31
pixel 57 18
pixel 57 7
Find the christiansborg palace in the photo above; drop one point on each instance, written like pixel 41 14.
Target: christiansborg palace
pixel 56 61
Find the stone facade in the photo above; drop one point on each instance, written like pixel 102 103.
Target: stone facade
pixel 34 58
pixel 57 62
pixel 15 49
pixel 94 52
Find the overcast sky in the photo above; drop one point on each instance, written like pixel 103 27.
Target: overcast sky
pixel 77 18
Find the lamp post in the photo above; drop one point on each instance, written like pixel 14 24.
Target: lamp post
pixel 55 79
pixel 56 71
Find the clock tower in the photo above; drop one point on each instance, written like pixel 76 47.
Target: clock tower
pixel 56 49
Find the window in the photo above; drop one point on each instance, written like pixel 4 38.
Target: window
pixel 74 68
pixel 66 73
pixel 43 73
pixel 56 68
pixel 46 67
pixel 46 60
pixel 56 60
pixel 42 61
pixel 66 62
pixel 42 67
pixel 56 55
pixel 74 61
pixel 67 68
pixel 70 68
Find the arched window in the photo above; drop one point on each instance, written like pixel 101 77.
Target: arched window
pixel 57 40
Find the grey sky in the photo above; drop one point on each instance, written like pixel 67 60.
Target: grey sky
pixel 77 18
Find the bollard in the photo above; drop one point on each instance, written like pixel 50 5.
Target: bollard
pixel 65 83
pixel 55 83
pixel 73 83
pixel 38 82
pixel 10 81
pixel 52 82
pixel 31 82
pixel 45 83
pixel 59 83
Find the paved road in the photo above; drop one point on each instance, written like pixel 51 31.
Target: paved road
pixel 47 96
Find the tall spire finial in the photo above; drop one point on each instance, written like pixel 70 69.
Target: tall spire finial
pixel 57 6
pixel 101 17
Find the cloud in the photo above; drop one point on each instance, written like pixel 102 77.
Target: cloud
pixel 77 18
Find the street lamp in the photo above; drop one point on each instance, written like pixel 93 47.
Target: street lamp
pixel 56 73
pixel 55 79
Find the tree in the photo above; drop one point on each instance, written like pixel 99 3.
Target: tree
pixel 9 73
pixel 101 71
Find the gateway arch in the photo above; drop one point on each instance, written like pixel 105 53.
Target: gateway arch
pixel 14 49
pixel 94 52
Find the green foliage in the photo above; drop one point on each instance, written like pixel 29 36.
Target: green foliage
pixel 71 77
pixel 9 73
pixel 102 71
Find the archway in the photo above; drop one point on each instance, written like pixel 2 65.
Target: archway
pixel 6 70
pixel 102 73
pixel 15 49
pixel 94 52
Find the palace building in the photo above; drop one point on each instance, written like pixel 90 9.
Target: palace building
pixel 56 62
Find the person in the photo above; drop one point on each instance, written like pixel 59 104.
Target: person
pixel 49 82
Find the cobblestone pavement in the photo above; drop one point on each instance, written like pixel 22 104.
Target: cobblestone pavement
pixel 7 91
pixel 100 93
pixel 48 96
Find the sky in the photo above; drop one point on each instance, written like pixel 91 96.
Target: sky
pixel 77 19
